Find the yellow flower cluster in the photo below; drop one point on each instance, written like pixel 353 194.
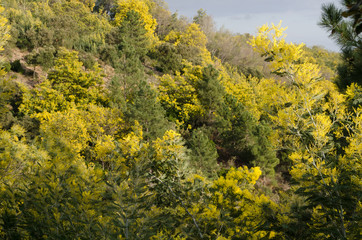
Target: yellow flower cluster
pixel 142 8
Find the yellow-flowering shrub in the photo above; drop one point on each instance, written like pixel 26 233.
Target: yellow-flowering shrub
pixel 142 8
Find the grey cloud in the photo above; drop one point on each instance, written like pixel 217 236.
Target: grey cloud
pixel 218 8
pixel 241 16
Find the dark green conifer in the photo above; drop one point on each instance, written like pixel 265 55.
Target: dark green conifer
pixel 345 27
pixel 147 110
pixel 203 153
pixel 244 139
pixel 130 89
pixel 210 92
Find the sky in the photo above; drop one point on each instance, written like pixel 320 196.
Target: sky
pixel 245 16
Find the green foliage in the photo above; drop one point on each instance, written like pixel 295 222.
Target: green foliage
pixel 67 84
pixel 178 97
pixel 204 154
pixel 17 157
pixel 88 60
pixel 73 82
pixel 130 91
pixel 141 146
pixel 145 108
pixel 347 34
pixel 130 36
pixel 192 98
pixel 42 56
pixel 142 9
pixel 210 92
pixel 11 97
pixel 167 58
pixel 327 60
pixel 109 54
pixel 191 44
pixel 314 121
pixel 130 41
pixel 166 20
pixel 4 30
pixel 7 90
pixel 46 197
pixel 242 138
pixel 61 23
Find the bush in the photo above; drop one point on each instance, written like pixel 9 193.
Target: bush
pixel 168 60
pixel 203 153
pixel 42 56
pixel 108 54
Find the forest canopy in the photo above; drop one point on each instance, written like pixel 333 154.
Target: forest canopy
pixel 123 120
